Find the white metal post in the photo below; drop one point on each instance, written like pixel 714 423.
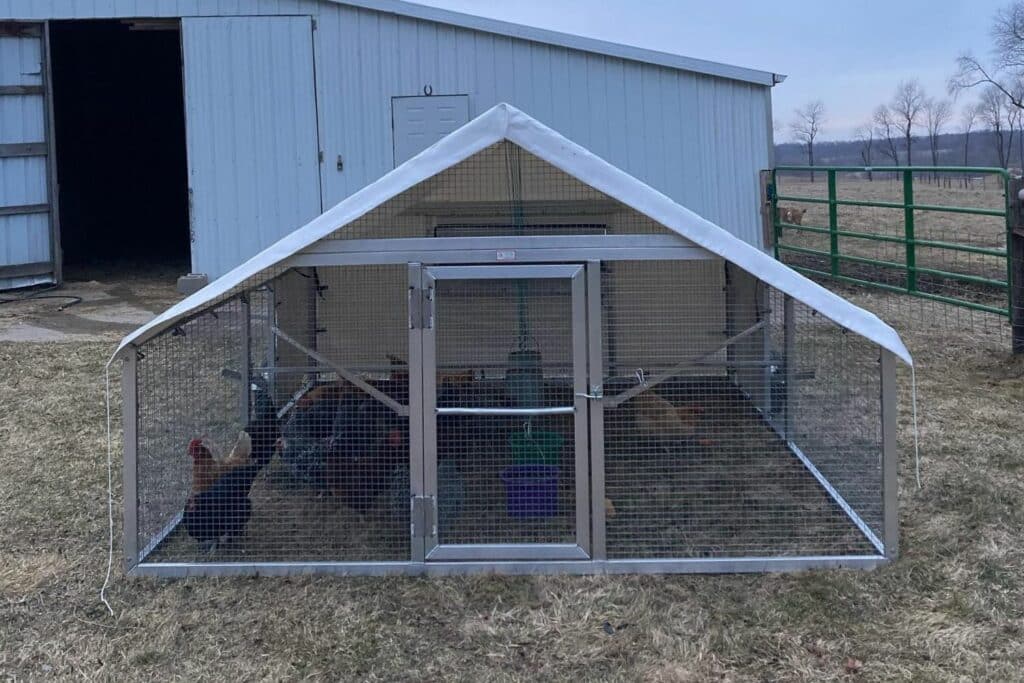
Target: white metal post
pixel 129 410
pixel 890 457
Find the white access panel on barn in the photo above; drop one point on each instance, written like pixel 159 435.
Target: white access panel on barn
pixel 419 122
pixel 26 236
pixel 253 150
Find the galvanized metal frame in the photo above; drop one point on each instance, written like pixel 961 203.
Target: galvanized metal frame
pixel 890 457
pixel 129 476
pixel 589 556
pixel 595 412
pixel 581 567
pixel 434 550
pixel 417 412
pixel 483 250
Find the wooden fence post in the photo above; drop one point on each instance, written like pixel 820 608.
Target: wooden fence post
pixel 1015 249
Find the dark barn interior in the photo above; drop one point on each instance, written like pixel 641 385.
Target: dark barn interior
pixel 120 131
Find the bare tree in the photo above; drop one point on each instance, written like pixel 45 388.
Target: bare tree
pixel 936 115
pixel 968 118
pixel 990 112
pixel 866 136
pixel 1007 66
pixel 907 107
pixel 806 127
pixel 1012 117
pixel 885 131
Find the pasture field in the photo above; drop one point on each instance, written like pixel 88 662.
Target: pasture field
pixel 951 608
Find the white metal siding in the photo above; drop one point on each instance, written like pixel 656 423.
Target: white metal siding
pixel 252 141
pixel 92 9
pixel 700 140
pixel 25 238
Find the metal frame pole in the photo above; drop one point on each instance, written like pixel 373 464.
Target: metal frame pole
pixel 789 365
pixel 129 476
pixel 908 229
pixel 890 456
pixel 833 223
pixel 598 521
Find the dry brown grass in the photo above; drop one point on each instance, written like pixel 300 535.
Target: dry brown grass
pixel 952 608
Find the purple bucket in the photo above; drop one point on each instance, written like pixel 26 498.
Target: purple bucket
pixel 531 490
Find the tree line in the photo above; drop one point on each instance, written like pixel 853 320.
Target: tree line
pixel 914 128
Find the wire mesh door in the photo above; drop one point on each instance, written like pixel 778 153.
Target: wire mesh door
pixel 505 429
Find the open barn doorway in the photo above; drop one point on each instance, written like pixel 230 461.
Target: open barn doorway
pixel 119 124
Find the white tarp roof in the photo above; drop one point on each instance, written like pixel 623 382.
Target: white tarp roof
pixel 505 122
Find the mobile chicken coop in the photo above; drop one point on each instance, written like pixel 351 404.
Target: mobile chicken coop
pixel 508 355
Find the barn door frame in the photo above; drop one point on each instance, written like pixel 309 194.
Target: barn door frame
pixel 46 148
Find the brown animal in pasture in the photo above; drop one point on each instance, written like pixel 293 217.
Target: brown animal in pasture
pixel 787 214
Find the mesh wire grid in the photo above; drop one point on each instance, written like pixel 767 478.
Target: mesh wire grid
pixel 718 441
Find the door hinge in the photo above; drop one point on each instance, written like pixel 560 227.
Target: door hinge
pixel 421 308
pixel 424 516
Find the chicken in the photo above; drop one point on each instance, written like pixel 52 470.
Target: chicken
pixel 654 416
pixel 206 469
pixel 367 444
pixel 219 506
pixel 222 510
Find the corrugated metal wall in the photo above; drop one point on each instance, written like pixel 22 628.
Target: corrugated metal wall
pixel 698 139
pixel 25 234
pixel 91 9
pixel 252 134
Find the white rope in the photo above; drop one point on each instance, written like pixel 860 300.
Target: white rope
pixel 917 447
pixel 110 503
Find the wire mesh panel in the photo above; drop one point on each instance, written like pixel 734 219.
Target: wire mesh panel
pixel 312 462
pixel 504 345
pixel 695 463
pixel 314 414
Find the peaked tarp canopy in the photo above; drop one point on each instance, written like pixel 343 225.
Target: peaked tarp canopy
pixel 505 122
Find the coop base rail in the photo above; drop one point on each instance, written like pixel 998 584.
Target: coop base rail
pixel 655 566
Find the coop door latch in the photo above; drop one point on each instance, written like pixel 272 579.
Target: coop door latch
pixel 424 516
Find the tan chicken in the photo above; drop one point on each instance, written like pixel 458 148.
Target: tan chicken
pixel 206 469
pixel 657 417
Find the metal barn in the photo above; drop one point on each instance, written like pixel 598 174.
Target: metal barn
pixel 202 131
pixel 509 355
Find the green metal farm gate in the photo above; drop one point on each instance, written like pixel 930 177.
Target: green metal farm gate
pixel 949 234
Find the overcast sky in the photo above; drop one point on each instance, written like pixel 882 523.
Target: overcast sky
pixel 850 54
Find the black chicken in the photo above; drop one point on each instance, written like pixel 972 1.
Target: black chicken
pixel 222 511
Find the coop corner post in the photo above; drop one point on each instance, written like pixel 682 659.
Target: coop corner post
pixel 129 411
pixel 1015 267
pixel 890 456
pixel 417 416
pixel 598 541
